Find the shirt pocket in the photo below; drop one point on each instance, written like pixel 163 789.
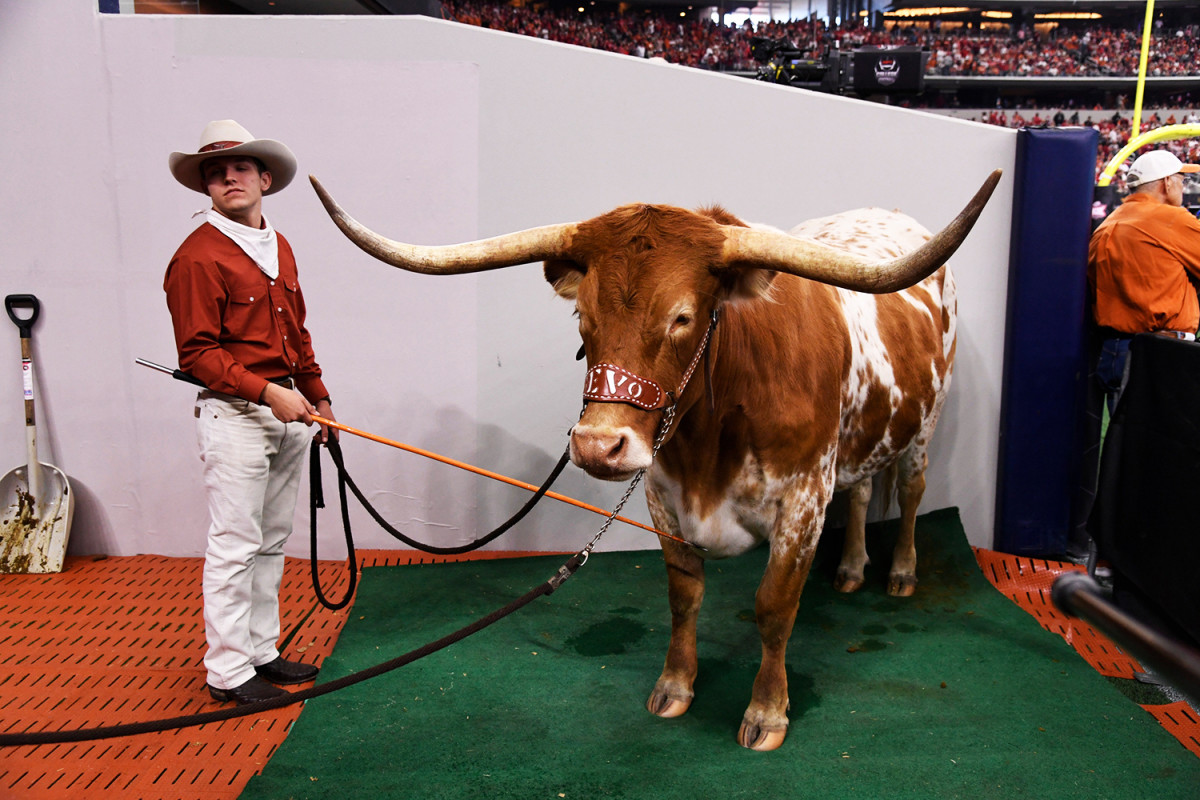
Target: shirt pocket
pixel 289 300
pixel 244 310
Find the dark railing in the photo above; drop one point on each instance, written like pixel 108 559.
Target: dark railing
pixel 1077 594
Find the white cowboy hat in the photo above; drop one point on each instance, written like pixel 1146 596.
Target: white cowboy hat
pixel 224 137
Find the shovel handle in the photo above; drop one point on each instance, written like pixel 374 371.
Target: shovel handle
pixel 15 301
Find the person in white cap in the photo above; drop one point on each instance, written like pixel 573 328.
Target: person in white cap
pixel 1142 262
pixel 239 320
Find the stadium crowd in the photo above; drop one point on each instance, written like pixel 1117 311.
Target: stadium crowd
pixel 1091 52
pixel 1094 52
pixel 1114 129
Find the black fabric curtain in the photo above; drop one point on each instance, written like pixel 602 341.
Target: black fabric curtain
pixel 1146 519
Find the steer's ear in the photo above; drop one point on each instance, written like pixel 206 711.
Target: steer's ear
pixel 564 276
pixel 744 282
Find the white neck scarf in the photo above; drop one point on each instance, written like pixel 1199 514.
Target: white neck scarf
pixel 262 245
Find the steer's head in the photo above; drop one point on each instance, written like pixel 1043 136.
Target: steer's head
pixel 645 280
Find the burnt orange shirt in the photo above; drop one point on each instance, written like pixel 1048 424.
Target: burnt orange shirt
pixel 1139 260
pixel 235 328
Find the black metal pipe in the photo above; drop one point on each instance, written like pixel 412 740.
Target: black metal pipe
pixel 177 374
pixel 1179 665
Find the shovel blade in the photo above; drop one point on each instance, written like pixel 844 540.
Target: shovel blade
pixel 34 531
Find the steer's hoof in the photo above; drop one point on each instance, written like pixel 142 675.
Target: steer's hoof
pixel 667 707
pixel 902 585
pixel 846 582
pixel 760 739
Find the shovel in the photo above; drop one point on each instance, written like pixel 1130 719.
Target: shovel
pixel 37 499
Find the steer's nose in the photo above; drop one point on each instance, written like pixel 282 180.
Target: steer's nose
pixel 601 451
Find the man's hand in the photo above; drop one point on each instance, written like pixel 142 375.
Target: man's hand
pixel 324 410
pixel 287 405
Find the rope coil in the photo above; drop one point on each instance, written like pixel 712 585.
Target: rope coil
pixel 317 500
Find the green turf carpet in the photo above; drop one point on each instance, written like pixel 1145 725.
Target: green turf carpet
pixel 953 693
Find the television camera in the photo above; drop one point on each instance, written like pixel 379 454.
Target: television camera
pixel 783 62
pixel 864 71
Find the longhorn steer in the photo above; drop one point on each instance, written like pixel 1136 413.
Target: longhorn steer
pixel 813 386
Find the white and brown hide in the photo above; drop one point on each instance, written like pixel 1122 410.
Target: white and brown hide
pixel 814 388
pixel 809 388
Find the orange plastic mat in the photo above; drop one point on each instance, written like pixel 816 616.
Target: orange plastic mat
pixel 1182 721
pixel 1027 583
pixel 119 640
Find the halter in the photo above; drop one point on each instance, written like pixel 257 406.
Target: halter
pixel 610 383
pixel 623 385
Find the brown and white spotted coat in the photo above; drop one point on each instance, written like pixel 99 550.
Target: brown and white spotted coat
pixel 811 388
pixel 815 388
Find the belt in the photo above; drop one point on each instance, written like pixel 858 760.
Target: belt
pixel 287 382
pixel 1111 333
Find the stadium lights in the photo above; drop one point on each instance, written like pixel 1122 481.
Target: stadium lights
pixel 926 12
pixel 1069 15
pixel 998 14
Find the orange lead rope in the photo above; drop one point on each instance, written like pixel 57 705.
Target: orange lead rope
pixel 486 473
pixel 180 375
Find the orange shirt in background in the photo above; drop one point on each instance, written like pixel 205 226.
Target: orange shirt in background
pixel 1139 260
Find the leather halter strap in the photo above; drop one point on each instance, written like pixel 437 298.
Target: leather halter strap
pixel 609 383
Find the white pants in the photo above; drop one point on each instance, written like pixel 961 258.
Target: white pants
pixel 252 466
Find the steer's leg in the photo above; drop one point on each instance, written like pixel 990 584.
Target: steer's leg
pixel 854 551
pixel 902 580
pixel 793 545
pixel 672 693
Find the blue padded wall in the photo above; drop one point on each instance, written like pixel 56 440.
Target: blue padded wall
pixel 1045 353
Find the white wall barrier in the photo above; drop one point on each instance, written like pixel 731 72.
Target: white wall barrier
pixel 430 132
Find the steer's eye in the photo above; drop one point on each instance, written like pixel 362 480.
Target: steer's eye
pixel 681 321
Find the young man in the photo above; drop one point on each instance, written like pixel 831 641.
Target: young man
pixel 1142 262
pixel 238 315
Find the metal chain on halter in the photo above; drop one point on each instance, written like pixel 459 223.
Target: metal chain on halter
pixel 660 437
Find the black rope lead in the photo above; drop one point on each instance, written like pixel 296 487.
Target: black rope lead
pixel 316 494
pixel 131 729
pixel 335 452
pixel 317 500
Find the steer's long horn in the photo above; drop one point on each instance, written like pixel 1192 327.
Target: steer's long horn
pixel 523 247
pixel 808 259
